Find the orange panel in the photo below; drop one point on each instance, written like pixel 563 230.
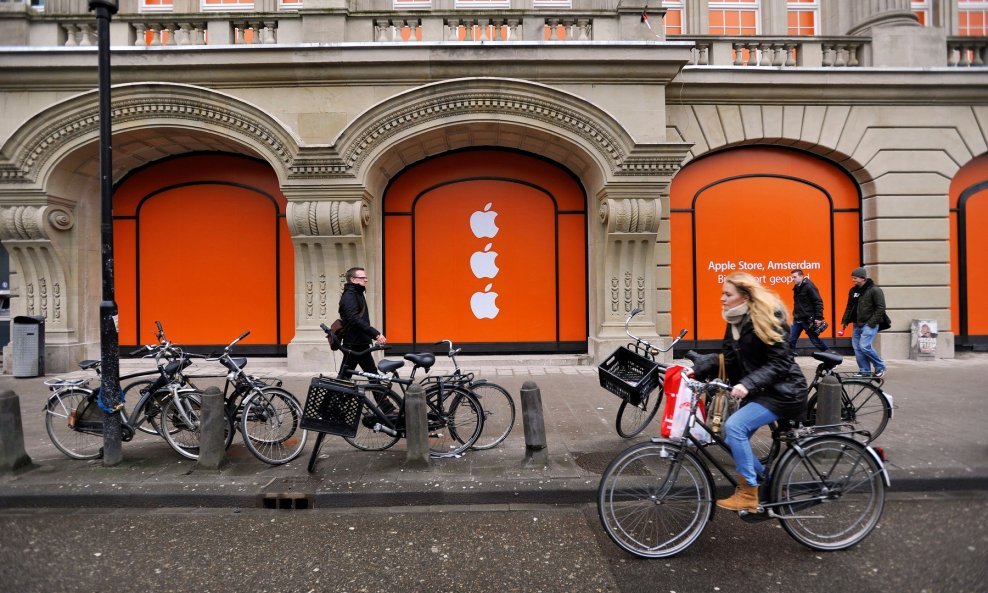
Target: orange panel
pixel 444 194
pixel 976 213
pixel 754 208
pixel 971 174
pixel 452 263
pixel 201 293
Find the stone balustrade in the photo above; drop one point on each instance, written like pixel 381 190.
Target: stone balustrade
pixel 967 51
pixel 791 52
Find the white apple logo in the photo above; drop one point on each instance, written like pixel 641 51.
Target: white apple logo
pixel 482 304
pixel 482 263
pixel 482 223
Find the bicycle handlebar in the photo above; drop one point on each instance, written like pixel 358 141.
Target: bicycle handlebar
pixel 374 348
pixel 649 347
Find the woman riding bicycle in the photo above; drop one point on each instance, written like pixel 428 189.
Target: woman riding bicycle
pixel 764 374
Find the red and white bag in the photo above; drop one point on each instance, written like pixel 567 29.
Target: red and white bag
pixel 676 413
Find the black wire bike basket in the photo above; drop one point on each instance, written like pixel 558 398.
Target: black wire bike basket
pixel 333 407
pixel 628 375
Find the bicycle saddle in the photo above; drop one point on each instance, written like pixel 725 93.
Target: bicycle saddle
pixel 829 358
pixel 387 366
pixel 424 360
pixel 88 364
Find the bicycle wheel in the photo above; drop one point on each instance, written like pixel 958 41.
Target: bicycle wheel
pixel 75 424
pixel 152 408
pixel 366 439
pixel 833 492
pixel 764 446
pixel 181 424
pixel 499 414
pixel 633 418
pixel 862 404
pixel 655 499
pixel 455 422
pixel 270 426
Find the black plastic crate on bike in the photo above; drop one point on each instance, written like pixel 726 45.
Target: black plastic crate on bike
pixel 333 407
pixel 628 375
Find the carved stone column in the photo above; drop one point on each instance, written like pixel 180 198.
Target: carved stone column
pixel 329 238
pixel 631 217
pixel 39 285
pixel 867 14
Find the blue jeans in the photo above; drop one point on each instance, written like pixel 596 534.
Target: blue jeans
pixel 737 433
pixel 866 355
pixel 796 329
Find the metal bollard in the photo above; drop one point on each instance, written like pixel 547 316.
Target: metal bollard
pixel 212 431
pixel 828 402
pixel 533 419
pixel 416 428
pixel 12 454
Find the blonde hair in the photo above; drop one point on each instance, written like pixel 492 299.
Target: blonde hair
pixel 764 306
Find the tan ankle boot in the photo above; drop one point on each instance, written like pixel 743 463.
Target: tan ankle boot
pixel 745 498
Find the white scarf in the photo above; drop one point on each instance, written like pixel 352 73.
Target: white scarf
pixel 734 316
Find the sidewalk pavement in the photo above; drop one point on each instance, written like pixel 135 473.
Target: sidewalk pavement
pixel 936 440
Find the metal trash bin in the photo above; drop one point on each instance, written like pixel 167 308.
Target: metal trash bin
pixel 28 337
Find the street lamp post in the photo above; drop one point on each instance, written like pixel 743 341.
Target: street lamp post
pixel 109 345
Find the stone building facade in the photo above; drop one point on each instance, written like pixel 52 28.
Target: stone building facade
pixel 337 107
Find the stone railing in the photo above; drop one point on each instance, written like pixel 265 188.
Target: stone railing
pixel 807 52
pixel 495 29
pixel 967 51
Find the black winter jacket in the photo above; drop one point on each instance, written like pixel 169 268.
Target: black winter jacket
pixel 356 318
pixel 807 304
pixel 870 305
pixel 768 371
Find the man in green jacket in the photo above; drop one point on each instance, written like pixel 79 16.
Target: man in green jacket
pixel 865 309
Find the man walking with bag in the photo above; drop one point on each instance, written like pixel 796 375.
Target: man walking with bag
pixel 807 312
pixel 358 332
pixel 866 310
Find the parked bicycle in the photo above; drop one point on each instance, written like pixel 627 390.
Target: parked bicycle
pixel 864 401
pixel 827 489
pixel 455 416
pixel 633 375
pixel 496 401
pixel 75 412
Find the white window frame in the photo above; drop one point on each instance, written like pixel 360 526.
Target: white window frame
pixel 159 8
pixel 411 4
pixel 813 7
pixel 729 5
pixel 289 5
pixel 499 4
pixel 541 4
pixel 971 7
pixel 679 5
pixel 238 7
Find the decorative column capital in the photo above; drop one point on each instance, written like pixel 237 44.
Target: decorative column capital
pixel 631 215
pixel 328 218
pixel 33 223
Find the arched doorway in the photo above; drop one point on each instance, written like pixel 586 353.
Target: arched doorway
pixel 762 210
pixel 202 245
pixel 486 248
pixel 969 253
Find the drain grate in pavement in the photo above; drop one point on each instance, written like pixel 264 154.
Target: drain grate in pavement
pixel 288 494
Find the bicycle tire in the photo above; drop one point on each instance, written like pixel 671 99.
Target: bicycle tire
pixel 136 390
pixel 655 499
pixel 269 423
pixel 182 435
pixel 764 445
pixel 368 440
pixel 863 405
pixel 453 429
pixel 74 442
pixel 838 512
pixel 633 418
pixel 499 414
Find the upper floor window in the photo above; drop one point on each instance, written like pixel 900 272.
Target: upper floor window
pixel 972 18
pixel 735 17
pixel 921 8
pixel 226 5
pixel 675 20
pixel 552 4
pixel 802 16
pixel 483 4
pixel 157 5
pixel 403 4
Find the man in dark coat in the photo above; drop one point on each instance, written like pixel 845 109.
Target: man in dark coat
pixel 865 309
pixel 807 311
pixel 358 334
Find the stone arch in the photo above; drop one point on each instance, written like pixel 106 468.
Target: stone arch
pixel 506 113
pixel 35 151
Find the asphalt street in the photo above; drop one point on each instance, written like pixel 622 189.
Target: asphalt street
pixel 924 544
